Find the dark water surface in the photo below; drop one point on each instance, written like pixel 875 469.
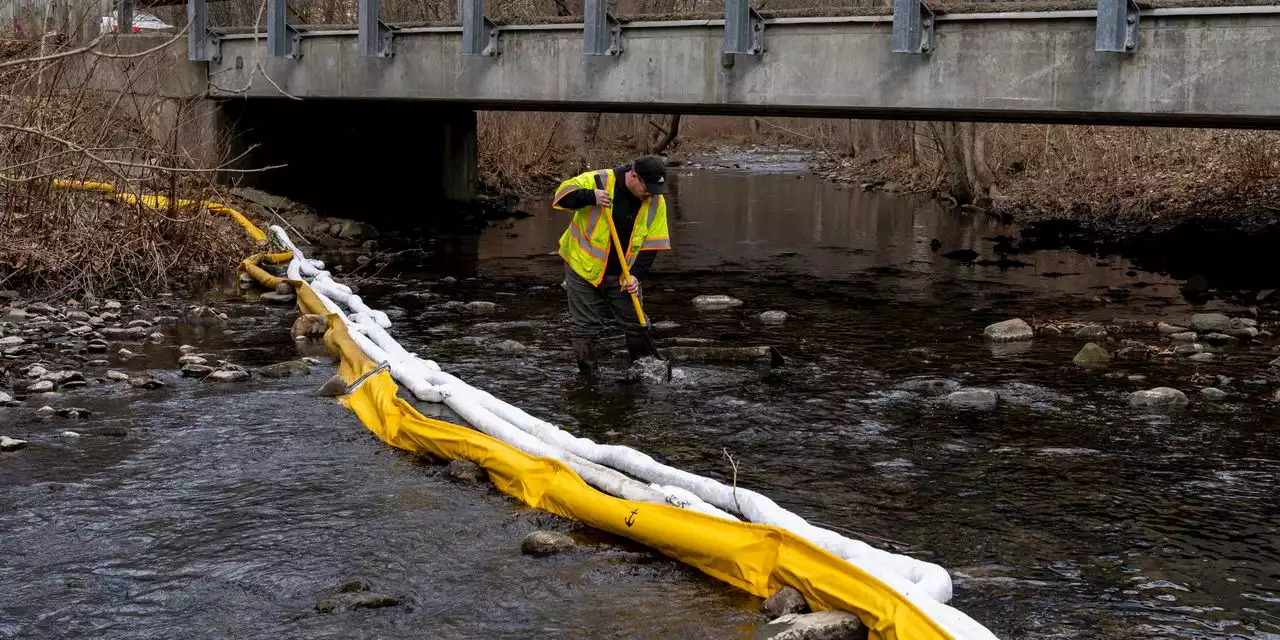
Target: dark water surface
pixel 229 511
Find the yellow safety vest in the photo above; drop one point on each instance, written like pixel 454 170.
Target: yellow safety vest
pixel 586 244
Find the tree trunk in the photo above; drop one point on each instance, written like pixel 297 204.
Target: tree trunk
pixel 673 130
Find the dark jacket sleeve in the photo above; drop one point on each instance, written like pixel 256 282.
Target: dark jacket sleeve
pixel 644 262
pixel 577 199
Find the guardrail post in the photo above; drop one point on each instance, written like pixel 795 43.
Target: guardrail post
pixel 912 27
pixel 479 34
pixel 1117 29
pixel 283 41
pixel 743 31
pixel 602 33
pixel 375 36
pixel 202 44
pixel 124 18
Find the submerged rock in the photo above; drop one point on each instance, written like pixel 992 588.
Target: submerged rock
pixel 930 386
pixel 466 471
pixel 285 369
pixel 11 444
pixel 360 600
pixel 1202 357
pixel 74 412
pixel 541 543
pixel 717 301
pixel 481 306
pixel 975 399
pixel 823 625
pixel 773 317
pixel 1158 397
pixel 784 601
pixel 1015 330
pixel 1091 355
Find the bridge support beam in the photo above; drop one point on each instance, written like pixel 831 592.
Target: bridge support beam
pixel 377 161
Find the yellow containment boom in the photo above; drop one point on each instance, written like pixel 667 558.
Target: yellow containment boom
pixel 757 558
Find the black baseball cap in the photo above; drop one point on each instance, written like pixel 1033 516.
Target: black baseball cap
pixel 653 170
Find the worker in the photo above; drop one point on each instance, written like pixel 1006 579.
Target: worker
pixel 593 274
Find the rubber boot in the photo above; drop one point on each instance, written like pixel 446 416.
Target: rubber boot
pixel 585 352
pixel 639 347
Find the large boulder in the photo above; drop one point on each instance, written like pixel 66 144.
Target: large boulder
pixel 1015 330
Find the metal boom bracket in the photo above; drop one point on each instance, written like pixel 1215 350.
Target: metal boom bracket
pixel 913 22
pixel 479 33
pixel 743 31
pixel 375 36
pixel 1117 29
pixel 601 32
pixel 203 44
pixel 283 41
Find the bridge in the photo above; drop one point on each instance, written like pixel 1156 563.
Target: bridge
pixel 1114 64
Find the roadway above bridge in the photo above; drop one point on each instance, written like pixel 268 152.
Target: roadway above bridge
pixel 1214 66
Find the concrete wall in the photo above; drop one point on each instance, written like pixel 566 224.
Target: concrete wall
pixel 1219 70
pixel 376 161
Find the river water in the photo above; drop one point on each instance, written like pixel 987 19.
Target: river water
pixel 229 511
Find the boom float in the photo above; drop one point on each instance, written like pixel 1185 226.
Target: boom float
pixel 685 516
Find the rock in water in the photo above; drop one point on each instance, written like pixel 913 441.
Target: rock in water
pixel 332 388
pixel 1188 349
pixel 715 302
pixel 11 444
pixel 1210 322
pixel 146 382
pixel 1091 356
pixel 191 359
pixel 1213 394
pixel 823 625
pixel 1158 397
pixel 43 386
pixel 285 369
pixel 7 400
pixel 541 543
pixel 12 341
pixel 481 306
pixel 309 325
pixel 1091 332
pixel 1015 330
pixel 466 471
pixel 773 317
pixel 976 399
pixel 784 601
pixel 1203 357
pixel 367 600
pixel 1184 337
pixel 1166 329
pixel 196 370
pixel 651 370
pixel 229 375
pixel 278 298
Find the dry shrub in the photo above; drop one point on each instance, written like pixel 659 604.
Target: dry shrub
pixel 1133 171
pixel 55 124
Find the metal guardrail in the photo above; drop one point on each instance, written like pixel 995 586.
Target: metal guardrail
pixel 602 33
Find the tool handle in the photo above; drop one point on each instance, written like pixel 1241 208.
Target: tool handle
pixel 622 261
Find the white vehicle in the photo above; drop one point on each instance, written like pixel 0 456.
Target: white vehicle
pixel 141 21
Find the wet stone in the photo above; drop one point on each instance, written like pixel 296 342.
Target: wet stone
pixel 1015 330
pixel 196 370
pixel 712 302
pixel 541 543
pixel 1218 339
pixel 111 305
pixel 11 444
pixel 11 341
pixel 1184 337
pixel 37 372
pixel 192 359
pixel 466 471
pixel 784 601
pixel 73 412
pixel 1166 329
pixel 278 298
pixel 1188 349
pixel 773 317
pixel 332 388
pixel 98 346
pixel 481 306
pixel 973 399
pixel 823 625
pixel 145 382
pixel 930 386
pixel 117 376
pixel 229 375
pixel 1091 332
pixel 7 400
pixel 77 316
pixel 1213 394
pixel 1210 322
pixel 1091 355
pixel 110 431
pixel 41 386
pixel 1202 357
pixel 285 369
pixel 1158 397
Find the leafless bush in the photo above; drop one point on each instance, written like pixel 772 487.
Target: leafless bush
pixel 59 121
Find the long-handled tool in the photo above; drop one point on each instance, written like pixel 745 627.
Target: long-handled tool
pixel 626 277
